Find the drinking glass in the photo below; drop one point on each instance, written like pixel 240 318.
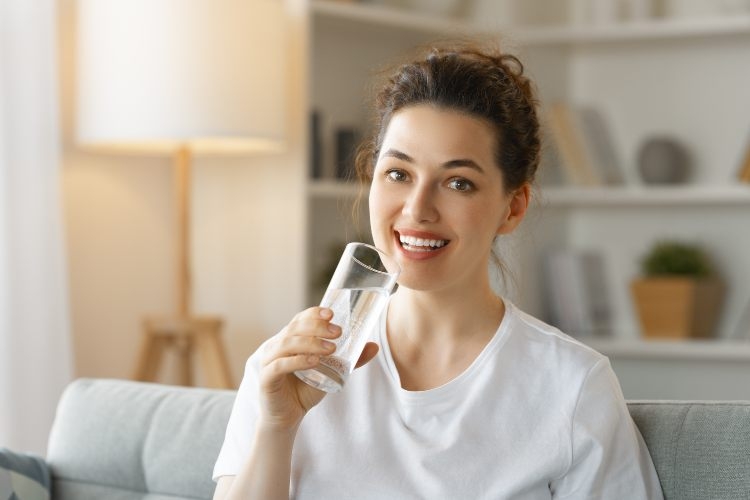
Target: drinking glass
pixel 357 294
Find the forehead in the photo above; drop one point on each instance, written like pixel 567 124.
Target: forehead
pixel 425 128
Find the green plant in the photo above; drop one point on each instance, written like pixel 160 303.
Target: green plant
pixel 676 258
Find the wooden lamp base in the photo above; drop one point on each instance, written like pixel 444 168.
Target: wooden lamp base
pixel 199 335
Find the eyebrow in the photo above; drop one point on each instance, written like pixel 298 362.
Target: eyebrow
pixel 457 163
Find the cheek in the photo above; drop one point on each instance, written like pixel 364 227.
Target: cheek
pixel 378 210
pixel 381 204
pixel 484 219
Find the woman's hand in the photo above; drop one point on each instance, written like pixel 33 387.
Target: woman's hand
pixel 285 399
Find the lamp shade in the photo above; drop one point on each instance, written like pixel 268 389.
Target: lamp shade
pixel 155 75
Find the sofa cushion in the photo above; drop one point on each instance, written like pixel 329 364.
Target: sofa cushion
pixel 701 450
pixel 23 477
pixel 126 440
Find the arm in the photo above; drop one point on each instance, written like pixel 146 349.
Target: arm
pixel 269 459
pixel 281 401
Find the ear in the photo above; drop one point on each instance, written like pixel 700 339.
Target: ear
pixel 516 210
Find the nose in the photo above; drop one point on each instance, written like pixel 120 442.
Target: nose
pixel 420 206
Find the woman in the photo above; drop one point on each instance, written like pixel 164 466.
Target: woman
pixel 468 397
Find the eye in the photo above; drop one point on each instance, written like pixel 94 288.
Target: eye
pixel 396 175
pixel 462 185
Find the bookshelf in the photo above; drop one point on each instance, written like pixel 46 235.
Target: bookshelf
pixel 643 31
pixel 389 18
pixel 333 189
pixel 639 196
pixel 685 350
pixel 643 76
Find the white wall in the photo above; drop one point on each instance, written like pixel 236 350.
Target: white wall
pixel 248 232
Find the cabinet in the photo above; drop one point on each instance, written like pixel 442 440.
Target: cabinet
pixel 687 79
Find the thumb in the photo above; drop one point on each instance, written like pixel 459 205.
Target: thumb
pixel 369 352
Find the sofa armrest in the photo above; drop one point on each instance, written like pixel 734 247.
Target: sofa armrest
pixel 25 476
pixel 123 439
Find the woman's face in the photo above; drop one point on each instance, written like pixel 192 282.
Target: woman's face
pixel 437 199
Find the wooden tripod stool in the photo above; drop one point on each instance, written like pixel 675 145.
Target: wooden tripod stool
pixel 201 335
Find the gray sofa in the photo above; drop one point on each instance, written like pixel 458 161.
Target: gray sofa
pixel 116 439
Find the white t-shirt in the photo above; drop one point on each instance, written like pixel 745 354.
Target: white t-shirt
pixel 536 416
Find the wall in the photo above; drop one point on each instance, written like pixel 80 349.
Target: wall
pixel 247 233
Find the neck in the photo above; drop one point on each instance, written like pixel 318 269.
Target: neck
pixel 433 336
pixel 440 317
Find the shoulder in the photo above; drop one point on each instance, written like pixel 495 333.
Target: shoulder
pixel 545 342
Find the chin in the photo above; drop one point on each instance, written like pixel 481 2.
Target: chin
pixel 417 283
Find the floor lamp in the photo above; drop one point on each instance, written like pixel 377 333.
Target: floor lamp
pixel 181 78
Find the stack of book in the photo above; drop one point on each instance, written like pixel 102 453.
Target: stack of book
pixel 582 145
pixel 576 291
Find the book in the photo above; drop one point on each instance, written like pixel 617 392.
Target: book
pixel 569 144
pixel 599 145
pixel 744 173
pixel 583 143
pixel 577 297
pixel 742 330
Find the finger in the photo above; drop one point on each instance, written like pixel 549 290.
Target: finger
pixel 314 312
pixel 370 351
pixel 291 346
pixel 281 367
pixel 312 327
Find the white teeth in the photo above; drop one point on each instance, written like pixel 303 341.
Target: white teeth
pixel 420 242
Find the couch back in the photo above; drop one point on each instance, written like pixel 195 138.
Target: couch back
pixel 137 441
pixel 701 450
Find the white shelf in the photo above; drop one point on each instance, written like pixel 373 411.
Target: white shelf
pixel 688 350
pixel 334 189
pixel 645 196
pixel 390 17
pixel 637 31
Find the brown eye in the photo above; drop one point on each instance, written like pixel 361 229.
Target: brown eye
pixel 395 175
pixel 461 185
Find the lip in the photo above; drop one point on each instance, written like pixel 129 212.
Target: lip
pixel 412 255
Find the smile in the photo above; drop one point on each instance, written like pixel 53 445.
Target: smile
pixel 415 244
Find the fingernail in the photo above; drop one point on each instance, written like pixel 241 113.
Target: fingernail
pixel 326 313
pixel 334 328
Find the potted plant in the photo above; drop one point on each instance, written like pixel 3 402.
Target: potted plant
pixel 680 294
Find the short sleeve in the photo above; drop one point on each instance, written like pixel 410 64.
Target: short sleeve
pixel 609 458
pixel 241 425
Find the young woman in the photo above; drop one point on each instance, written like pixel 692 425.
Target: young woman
pixel 466 396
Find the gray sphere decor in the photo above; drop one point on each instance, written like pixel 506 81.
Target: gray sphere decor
pixel 663 160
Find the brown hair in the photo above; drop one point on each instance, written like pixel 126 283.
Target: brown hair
pixel 486 84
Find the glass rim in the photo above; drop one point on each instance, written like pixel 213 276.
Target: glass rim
pixel 380 252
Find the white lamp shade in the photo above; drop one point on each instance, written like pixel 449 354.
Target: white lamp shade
pixel 154 75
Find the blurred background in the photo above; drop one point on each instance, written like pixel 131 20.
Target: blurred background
pixel 637 243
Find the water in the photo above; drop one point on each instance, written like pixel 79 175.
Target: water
pixel 356 311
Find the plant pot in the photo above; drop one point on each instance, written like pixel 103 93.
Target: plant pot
pixel 677 307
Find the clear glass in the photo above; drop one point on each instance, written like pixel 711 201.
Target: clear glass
pixel 357 294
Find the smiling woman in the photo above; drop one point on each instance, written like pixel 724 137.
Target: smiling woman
pixel 466 396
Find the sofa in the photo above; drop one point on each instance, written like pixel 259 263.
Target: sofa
pixel 122 440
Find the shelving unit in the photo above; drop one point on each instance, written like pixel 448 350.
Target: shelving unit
pixel 680 350
pixel 395 19
pixel 685 78
pixel 639 196
pixel 335 189
pixel 641 31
